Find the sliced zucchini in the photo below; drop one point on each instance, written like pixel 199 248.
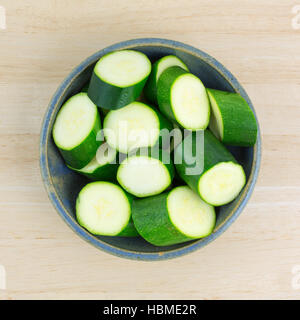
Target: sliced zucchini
pixel 103 112
pixel 219 179
pixel 129 231
pixel 222 183
pixel 182 98
pixel 146 173
pixel 232 120
pixel 176 137
pixel 157 69
pixel 134 126
pixel 75 130
pixel 173 217
pixel 103 166
pixel 103 208
pixel 119 78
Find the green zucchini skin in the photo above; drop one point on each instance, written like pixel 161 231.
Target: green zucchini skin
pixel 166 127
pixel 150 89
pixel 151 219
pixel 103 112
pixel 239 124
pixel 214 153
pixel 82 154
pixel 108 96
pixel 164 86
pixel 106 172
pixel 129 230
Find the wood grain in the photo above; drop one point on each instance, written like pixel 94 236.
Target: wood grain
pixel 254 39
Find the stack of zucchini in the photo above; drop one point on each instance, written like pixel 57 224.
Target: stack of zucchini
pixel 133 190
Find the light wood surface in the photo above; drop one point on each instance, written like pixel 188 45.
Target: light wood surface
pixel 43 41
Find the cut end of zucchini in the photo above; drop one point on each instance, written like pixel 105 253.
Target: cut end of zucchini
pixel 103 208
pixel 143 176
pixel 222 183
pixel 123 68
pixel 216 122
pixel 190 102
pixel 133 126
pixel 169 61
pixel 74 121
pixel 189 213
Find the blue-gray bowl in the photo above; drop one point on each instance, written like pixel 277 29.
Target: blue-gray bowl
pixel 63 185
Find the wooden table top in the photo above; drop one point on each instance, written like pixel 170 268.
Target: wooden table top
pixel 257 257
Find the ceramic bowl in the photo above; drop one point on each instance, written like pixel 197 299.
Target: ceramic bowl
pixel 63 185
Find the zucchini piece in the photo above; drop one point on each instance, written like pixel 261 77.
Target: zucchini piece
pixel 103 208
pixel 182 98
pixel 221 178
pixel 103 166
pixel 158 67
pixel 103 112
pixel 173 217
pixel 119 78
pixel 75 130
pixel 232 120
pixel 135 126
pixel 129 231
pixel 146 172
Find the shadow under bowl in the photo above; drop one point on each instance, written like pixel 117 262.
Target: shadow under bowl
pixel 63 185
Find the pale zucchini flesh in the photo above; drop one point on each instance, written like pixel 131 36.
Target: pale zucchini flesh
pixel 134 126
pixel 189 213
pixel 75 130
pixel 143 176
pixel 190 103
pixel 123 68
pixel 216 122
pixel 222 183
pixel 103 208
pixel 74 121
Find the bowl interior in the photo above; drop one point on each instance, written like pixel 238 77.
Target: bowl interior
pixel 66 184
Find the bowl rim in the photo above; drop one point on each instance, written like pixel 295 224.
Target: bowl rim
pixel 70 220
